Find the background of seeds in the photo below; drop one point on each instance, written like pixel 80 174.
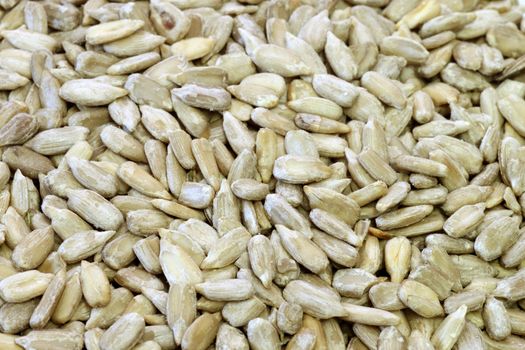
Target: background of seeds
pixel 275 174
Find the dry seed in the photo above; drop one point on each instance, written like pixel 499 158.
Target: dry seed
pixel 289 317
pixel 403 217
pixel 213 99
pixel 201 48
pixel 143 90
pixel 203 153
pixel 315 301
pixel 136 278
pixel 335 89
pixel 181 309
pixel 353 282
pixel 384 296
pixel 495 238
pixel 49 301
pixel 300 170
pixel 33 249
pixel 303 250
pixel 89 92
pixel 384 89
pixel 336 250
pixel 419 298
pixel 135 44
pixel 369 193
pixel 95 285
pixel 397 258
pixel 369 316
pixel 473 299
pixel 94 209
pixel 24 286
pixel 448 332
pixel 229 337
pixel 124 333
pixel 53 337
pixel 496 320
pixel 377 167
pixel 451 245
pixel 410 49
pixel 16 316
pixel 141 180
pixel 316 105
pixel 201 333
pixel 158 122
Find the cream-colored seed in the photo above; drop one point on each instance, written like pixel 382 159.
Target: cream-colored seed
pixel 256 174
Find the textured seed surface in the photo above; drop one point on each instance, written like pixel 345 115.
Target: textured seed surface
pixel 262 174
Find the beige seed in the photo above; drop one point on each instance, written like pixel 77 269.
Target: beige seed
pixel 53 337
pixel 314 300
pixel 316 105
pixel 377 167
pixel 384 296
pixel 303 250
pixel 18 129
pixel 473 299
pixel 143 90
pixel 496 320
pixel 95 285
pixel 369 316
pixel 24 286
pixel 201 332
pixel 300 170
pixel 397 258
pixel 384 89
pixel 448 332
pixel 335 89
pixel 90 92
pixel 171 257
pixel 262 335
pixel 353 283
pixel 33 249
pixel 180 309
pixel 464 220
pixel 403 217
pixel 289 317
pixel 49 301
pixel 111 31
pixel 93 177
pixel 248 189
pixel 262 259
pixel 339 205
pixel 83 244
pixel 122 143
pixel 318 124
pixel 369 193
pixel 139 179
pixel 210 98
pixel 420 299
pixel 334 226
pixel 203 154
pixel 279 60
pixel 433 278
pixel 336 250
pixel 124 333
pixel 229 337
pixel 95 209
pixel 470 337
pixel 340 58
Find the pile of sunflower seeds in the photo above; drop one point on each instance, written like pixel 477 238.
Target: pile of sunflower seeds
pixel 262 174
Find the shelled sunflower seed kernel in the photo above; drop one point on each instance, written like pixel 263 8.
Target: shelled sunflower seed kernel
pixel 262 174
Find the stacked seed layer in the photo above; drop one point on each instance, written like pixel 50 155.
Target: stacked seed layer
pixel 262 174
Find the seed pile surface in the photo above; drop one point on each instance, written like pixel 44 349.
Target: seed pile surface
pixel 262 174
